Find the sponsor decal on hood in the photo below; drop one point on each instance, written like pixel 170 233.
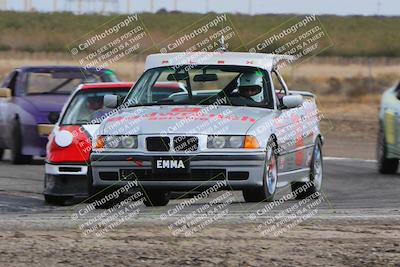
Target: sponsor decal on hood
pixel 187 119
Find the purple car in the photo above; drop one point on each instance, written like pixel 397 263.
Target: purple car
pixel 31 99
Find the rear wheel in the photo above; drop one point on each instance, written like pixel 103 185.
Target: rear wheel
pixel 265 192
pixel 16 146
pixel 385 165
pixel 303 190
pixel 155 198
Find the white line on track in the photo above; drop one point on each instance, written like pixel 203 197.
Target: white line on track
pixel 349 159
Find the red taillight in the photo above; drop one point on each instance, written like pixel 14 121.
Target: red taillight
pixel 78 151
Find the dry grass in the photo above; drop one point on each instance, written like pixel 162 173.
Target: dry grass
pixel 351 36
pixel 126 70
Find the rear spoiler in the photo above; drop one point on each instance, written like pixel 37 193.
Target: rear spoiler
pixel 303 93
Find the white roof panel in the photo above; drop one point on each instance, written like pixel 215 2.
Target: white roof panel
pixel 264 61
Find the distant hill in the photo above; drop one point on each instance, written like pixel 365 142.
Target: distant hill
pixel 52 32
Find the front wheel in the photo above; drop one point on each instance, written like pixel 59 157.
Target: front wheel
pixel 385 165
pixel 303 190
pixel 265 192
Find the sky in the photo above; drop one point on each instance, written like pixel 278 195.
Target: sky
pixel 337 7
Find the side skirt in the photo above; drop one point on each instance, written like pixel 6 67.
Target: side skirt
pixel 300 175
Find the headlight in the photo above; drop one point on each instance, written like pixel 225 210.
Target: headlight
pixel 236 141
pixel 225 141
pixel 116 141
pixel 232 141
pixel 112 141
pixel 218 142
pixel 129 141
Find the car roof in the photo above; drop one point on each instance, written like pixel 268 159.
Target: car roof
pixel 62 67
pixel 111 85
pixel 259 60
pixel 108 85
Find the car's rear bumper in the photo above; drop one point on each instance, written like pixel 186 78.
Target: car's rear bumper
pixel 240 171
pixel 66 180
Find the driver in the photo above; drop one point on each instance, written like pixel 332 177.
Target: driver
pixel 95 107
pixel 94 103
pixel 250 86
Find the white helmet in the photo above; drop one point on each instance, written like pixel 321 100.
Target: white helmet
pixel 250 85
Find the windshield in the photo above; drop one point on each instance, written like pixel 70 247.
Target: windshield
pixel 204 85
pixel 86 107
pixel 63 81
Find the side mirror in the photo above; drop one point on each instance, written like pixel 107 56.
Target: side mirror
pixel 110 101
pixel 292 101
pixel 5 93
pixel 53 117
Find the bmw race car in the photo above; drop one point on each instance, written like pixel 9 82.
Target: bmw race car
pixel 67 164
pixel 238 123
pixel 388 145
pixel 67 167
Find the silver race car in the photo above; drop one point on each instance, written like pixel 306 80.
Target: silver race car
pixel 236 125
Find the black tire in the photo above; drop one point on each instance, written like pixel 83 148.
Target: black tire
pixel 56 200
pixel 315 186
pixel 156 198
pixel 1 153
pixel 264 193
pixel 385 165
pixel 16 146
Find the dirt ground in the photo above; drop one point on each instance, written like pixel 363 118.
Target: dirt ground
pixel 311 244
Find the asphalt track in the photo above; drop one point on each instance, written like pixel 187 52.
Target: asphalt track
pixel 352 189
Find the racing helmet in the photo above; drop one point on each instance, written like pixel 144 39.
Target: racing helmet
pixel 250 86
pixel 94 102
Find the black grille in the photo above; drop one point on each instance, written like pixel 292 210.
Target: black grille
pixel 186 143
pixel 157 143
pixel 194 175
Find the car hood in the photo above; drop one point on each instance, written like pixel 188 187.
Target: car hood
pixel 47 103
pixel 183 120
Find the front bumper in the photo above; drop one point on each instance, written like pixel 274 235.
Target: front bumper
pixel 240 171
pixel 32 142
pixel 66 180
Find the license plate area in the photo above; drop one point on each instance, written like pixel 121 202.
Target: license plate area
pixel 171 165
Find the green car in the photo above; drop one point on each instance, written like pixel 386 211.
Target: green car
pixel 388 148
